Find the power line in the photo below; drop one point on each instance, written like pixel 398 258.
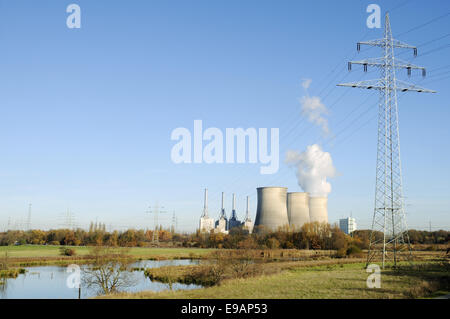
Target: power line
pixel 424 24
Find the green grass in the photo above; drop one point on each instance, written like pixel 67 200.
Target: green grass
pixel 36 251
pixel 332 281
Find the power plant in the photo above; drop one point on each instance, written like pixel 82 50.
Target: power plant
pixel 276 209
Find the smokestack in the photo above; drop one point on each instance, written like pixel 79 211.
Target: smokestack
pixel 206 223
pixel 248 210
pixel 222 211
pixel 205 205
pixel 233 210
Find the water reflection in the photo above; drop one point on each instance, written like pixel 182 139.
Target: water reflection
pixel 50 282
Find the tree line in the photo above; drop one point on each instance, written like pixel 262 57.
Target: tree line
pixel 310 236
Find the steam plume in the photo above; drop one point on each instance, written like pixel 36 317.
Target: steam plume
pixel 313 167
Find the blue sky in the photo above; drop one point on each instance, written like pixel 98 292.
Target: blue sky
pixel 86 115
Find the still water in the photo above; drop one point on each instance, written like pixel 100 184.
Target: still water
pixel 50 282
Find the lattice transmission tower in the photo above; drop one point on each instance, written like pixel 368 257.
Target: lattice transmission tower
pixel 156 210
pixel 389 237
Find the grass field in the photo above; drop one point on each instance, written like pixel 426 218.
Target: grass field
pixel 331 281
pixel 32 251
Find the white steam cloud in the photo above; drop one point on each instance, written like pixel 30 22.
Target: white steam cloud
pixel 313 167
pixel 313 108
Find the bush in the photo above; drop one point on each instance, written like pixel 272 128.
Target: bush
pixel 54 243
pixel 353 250
pixel 64 251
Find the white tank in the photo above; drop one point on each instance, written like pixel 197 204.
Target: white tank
pixel 318 211
pixel 271 212
pixel 298 209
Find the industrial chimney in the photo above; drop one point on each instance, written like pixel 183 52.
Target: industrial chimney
pixel 222 223
pixel 206 223
pixel 248 224
pixel 233 222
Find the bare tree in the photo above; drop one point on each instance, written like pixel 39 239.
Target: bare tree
pixel 109 273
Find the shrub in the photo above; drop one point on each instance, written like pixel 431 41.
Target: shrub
pixel 64 251
pixel 353 250
pixel 54 243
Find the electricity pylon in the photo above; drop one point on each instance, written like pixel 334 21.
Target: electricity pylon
pixel 389 236
pixel 156 211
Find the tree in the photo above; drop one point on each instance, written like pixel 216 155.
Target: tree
pixel 109 273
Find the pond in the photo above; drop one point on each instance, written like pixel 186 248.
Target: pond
pixel 50 282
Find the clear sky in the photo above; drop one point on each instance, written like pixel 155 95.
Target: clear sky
pixel 86 114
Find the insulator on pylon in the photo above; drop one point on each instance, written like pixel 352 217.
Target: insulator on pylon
pixel 365 67
pixel 424 72
pixel 415 51
pixel 349 66
pixel 358 46
pixel 409 71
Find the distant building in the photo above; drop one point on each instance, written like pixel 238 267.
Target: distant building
pixel 347 225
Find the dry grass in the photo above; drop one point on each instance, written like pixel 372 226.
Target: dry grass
pixel 315 279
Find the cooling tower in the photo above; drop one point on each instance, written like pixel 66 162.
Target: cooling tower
pixel 318 211
pixel 298 209
pixel 271 212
